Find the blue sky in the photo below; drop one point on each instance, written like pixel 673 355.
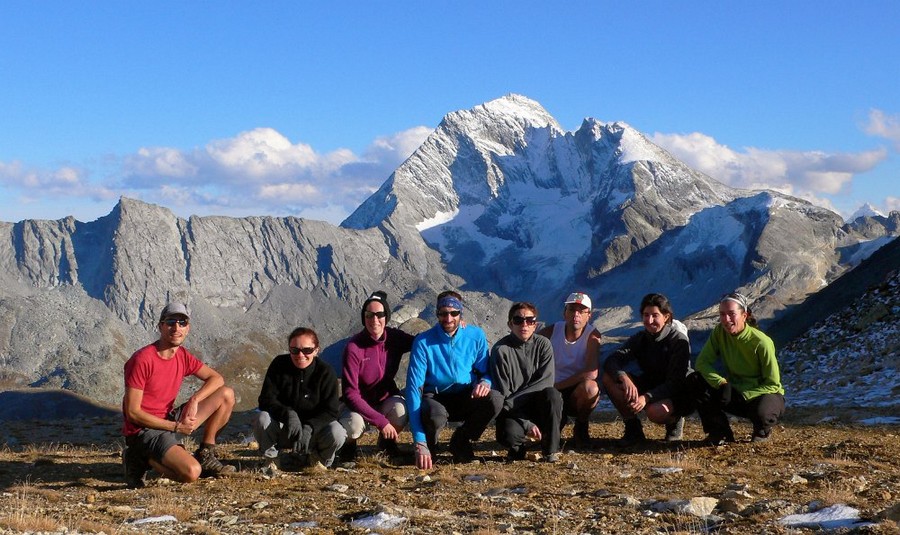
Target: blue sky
pixel 174 102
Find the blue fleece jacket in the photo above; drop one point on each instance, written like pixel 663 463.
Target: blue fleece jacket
pixel 442 363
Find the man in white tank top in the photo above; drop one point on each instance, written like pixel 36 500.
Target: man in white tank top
pixel 576 353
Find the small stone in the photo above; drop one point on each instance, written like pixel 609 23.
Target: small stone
pixel 260 505
pixel 798 480
pixel 338 487
pixel 475 478
pixel 533 456
pixel 736 494
pixel 731 506
pixel 425 478
pixel 663 470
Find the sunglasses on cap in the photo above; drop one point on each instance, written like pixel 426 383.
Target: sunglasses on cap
pixel 519 320
pixel 445 313
pixel 380 314
pixel 304 350
pixel 174 322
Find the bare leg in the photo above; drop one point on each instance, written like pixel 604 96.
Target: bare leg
pixel 215 411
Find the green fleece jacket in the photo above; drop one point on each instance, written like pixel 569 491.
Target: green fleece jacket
pixel 749 360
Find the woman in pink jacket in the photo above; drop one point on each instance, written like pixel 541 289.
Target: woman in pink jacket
pixel 370 363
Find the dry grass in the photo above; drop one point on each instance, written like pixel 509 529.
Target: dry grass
pixel 79 488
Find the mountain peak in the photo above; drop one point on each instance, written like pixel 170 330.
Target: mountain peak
pixel 511 110
pixel 866 210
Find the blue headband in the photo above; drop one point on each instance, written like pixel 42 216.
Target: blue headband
pixel 450 302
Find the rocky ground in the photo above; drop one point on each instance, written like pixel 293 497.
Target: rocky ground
pixel 64 478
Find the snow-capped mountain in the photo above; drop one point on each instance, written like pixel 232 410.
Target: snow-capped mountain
pixel 518 206
pixel 866 210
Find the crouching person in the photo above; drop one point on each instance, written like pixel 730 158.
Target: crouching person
pixel 299 404
pixel 649 373
pixel 153 426
pixel 522 369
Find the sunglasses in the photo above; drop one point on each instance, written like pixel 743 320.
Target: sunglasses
pixel 446 313
pixel 519 320
pixel 172 323
pixel 380 314
pixel 304 350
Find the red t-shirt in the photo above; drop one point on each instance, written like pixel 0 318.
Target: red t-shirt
pixel 159 379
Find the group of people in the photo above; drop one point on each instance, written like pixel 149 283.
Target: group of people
pixel 529 383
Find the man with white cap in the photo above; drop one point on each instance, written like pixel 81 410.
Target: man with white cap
pixel 153 377
pixel 576 354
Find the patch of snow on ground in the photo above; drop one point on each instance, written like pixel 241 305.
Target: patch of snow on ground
pixel 439 219
pixel 834 517
pixel 851 357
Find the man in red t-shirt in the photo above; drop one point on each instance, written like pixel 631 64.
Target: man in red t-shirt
pixel 153 377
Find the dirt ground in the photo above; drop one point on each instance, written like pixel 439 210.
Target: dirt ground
pixel 65 477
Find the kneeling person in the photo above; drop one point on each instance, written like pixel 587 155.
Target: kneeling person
pixel 522 369
pixel 299 404
pixel 153 377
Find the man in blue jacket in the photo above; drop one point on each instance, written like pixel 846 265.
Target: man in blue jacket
pixel 448 379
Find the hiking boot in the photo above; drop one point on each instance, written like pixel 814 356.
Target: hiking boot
pixel 719 438
pixel 388 446
pixel 675 431
pixel 135 469
pixel 461 448
pixel 348 451
pixel 209 464
pixel 582 435
pixel 315 462
pixel 552 458
pixel 634 432
pixel 516 454
pixel 761 435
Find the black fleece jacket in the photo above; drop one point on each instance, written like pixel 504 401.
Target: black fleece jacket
pixel 311 392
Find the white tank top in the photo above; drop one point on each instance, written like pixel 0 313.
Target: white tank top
pixel 568 357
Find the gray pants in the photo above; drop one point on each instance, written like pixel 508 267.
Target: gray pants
pixel 394 408
pixel 325 442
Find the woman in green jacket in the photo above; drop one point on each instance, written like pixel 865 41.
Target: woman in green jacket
pixel 749 384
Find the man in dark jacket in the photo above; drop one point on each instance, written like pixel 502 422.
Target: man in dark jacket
pixel 299 404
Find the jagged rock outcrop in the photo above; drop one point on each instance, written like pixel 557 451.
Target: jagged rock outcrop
pixel 79 298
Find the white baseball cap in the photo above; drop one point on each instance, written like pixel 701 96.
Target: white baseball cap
pixel 579 298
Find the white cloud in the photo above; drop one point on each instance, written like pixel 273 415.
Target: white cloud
pixel 809 174
pixel 882 125
pixel 398 147
pixel 64 182
pixel 261 171
pixel 892 204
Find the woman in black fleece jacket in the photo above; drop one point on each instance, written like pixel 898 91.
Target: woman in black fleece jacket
pixel 299 403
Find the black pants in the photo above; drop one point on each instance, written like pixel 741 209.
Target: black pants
pixel 475 413
pixel 764 411
pixel 544 409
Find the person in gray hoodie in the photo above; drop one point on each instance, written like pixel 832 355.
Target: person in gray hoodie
pixel 522 369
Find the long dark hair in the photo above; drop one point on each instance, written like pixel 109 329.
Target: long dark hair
pixel 659 301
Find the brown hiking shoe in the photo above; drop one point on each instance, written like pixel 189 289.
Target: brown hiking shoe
pixel 210 465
